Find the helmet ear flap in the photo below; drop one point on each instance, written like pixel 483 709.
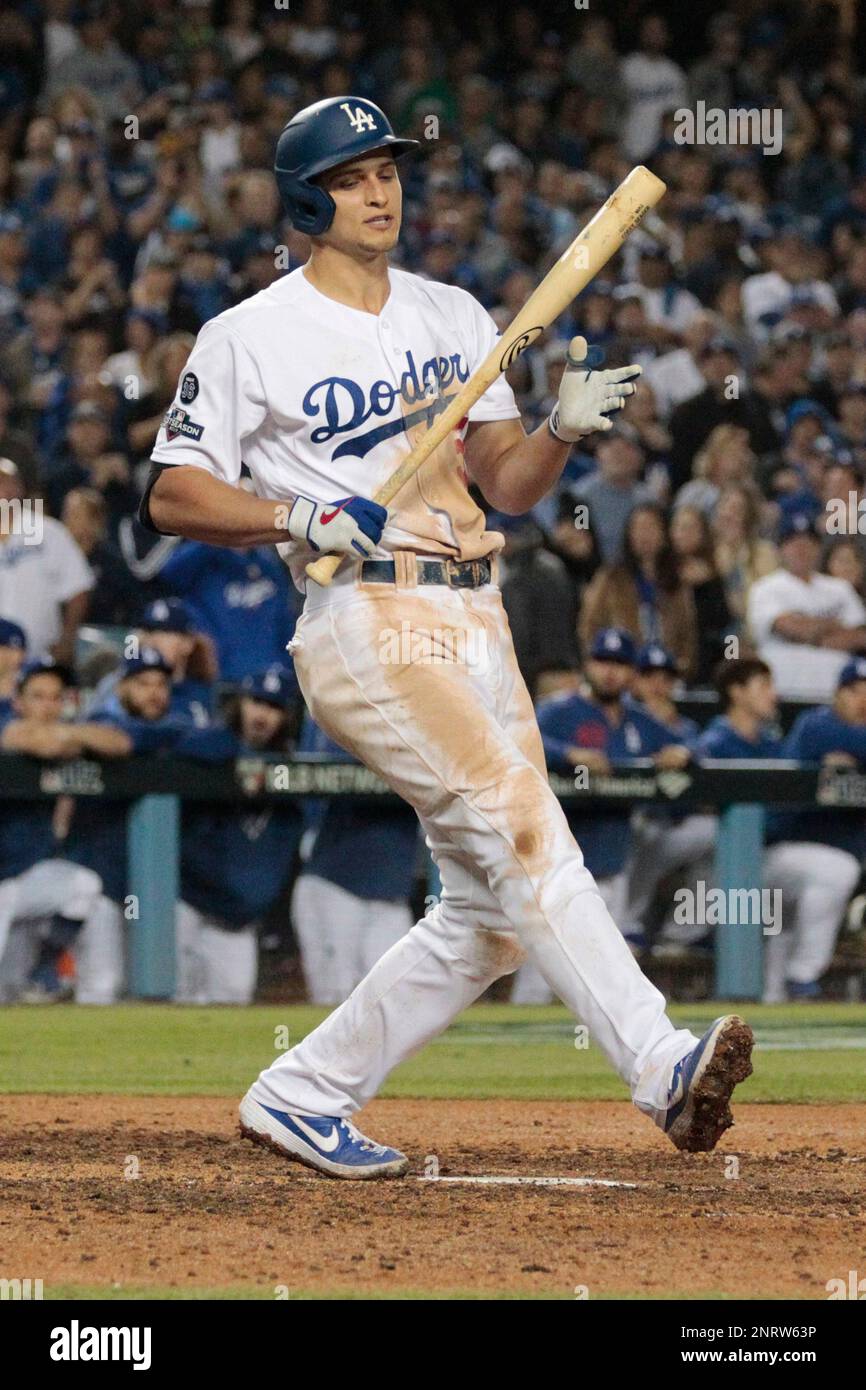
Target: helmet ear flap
pixel 310 208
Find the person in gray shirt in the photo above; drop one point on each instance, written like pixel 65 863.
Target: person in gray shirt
pixel 614 488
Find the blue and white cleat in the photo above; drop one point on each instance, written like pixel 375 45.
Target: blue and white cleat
pixel 703 1081
pixel 326 1142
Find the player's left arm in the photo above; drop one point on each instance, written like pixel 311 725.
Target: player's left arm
pixel 515 470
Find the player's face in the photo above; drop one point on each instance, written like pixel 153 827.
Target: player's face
pixel 260 722
pixel 146 695
pixel 609 680
pixel 759 697
pixel 41 699
pixel 369 202
pixel 851 702
pixel 654 685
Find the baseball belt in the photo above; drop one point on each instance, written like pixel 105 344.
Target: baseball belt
pixel 457 574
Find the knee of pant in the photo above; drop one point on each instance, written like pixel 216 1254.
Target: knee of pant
pixel 492 951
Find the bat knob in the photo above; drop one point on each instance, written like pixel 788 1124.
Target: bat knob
pixel 577 350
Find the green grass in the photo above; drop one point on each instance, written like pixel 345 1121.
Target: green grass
pixel 804 1053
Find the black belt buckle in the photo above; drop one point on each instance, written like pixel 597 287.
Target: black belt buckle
pixel 463 574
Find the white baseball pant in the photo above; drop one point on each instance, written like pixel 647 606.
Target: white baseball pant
pixel 457 739
pixel 341 936
pixel 101 955
pixel 530 986
pixel 215 965
pixel 53 886
pixel 658 849
pixel 816 882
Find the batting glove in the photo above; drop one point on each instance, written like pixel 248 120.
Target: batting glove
pixel 587 399
pixel 351 523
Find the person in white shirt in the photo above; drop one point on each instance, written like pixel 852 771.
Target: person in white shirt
pixel 44 577
pixel 806 625
pixel 668 307
pixel 653 84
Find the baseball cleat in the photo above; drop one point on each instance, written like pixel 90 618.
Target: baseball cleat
pixel 325 1142
pixel 698 1110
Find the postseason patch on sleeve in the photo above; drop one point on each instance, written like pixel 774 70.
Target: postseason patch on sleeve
pixel 177 423
pixel 189 388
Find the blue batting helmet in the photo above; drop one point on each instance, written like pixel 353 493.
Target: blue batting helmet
pixel 320 137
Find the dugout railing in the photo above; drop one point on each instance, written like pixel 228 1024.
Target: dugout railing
pixel 741 792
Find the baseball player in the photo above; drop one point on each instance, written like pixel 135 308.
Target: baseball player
pixel 35 884
pixel 663 841
pixel 235 860
pixel 319 384
pixel 814 855
pixel 350 902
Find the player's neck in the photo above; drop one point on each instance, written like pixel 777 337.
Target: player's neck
pixel 360 284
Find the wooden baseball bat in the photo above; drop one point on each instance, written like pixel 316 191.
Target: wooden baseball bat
pixel 592 248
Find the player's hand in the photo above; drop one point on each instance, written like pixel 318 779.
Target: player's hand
pixel 593 759
pixel 588 399
pixel 350 524
pixel 673 757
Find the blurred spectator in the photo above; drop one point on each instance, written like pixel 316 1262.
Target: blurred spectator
pixel 741 554
pixel 243 599
pixel 643 593
pixel 45 581
pixel 692 541
pixel 116 595
pixel 844 559
pixel 725 458
pixel 722 401
pixel 805 624
pixel 13 652
pixel 653 84
pixel 539 601
pixel 613 490
pixel 91 462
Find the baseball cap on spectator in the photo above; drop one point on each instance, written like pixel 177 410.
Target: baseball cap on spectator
pixel 277 685
pixel 148 659
pixel 654 657
pixel 796 524
pixel 613 644
pixel 42 666
pixel 11 635
pixel 803 407
pixel 853 670
pixel 167 615
pixel 182 219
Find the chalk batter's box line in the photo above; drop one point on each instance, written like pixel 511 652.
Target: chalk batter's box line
pixel 496 1180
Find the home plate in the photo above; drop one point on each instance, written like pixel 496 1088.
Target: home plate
pixel 494 1181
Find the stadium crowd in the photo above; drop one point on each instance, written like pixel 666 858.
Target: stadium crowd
pixel 714 536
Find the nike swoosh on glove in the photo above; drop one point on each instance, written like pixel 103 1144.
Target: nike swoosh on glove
pixel 351 523
pixel 587 399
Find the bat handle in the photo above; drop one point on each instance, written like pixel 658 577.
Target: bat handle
pixel 322 571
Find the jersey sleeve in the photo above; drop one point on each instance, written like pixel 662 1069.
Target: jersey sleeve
pixel 218 403
pixel 498 401
pixel 853 613
pixel 73 573
pixel 765 605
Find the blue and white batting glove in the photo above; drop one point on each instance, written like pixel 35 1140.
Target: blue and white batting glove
pixel 587 399
pixel 349 524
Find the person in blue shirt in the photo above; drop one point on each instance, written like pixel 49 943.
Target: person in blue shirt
pixel 243 599
pixel 35 883
pixel 236 858
pixel 815 854
pixel 167 626
pixel 665 842
pixel 351 900
pixel 13 653
pixel 592 731
pixel 750 704
pixel 139 712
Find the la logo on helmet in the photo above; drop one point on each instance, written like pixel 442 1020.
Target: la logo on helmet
pixel 359 119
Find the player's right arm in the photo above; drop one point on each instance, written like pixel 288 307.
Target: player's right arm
pixel 193 487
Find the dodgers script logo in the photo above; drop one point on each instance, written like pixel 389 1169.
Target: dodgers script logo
pixel 345 405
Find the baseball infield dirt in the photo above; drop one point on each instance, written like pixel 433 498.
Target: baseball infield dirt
pixel 129 1191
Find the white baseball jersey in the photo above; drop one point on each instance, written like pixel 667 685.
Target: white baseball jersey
pixel 37 576
pixel 800 669
pixel 325 400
